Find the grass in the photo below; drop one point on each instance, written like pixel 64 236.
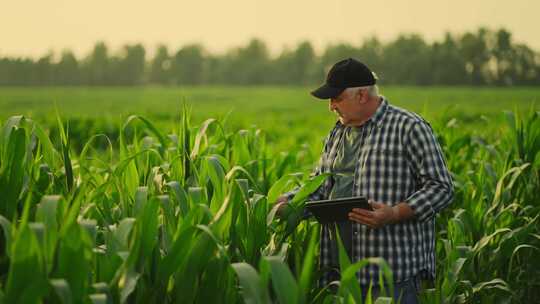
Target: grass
pixel 277 110
pixel 249 104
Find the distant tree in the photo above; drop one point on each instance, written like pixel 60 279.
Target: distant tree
pixel 475 52
pixel 336 52
pixel 248 65
pixel 483 57
pixel 298 67
pixel 16 71
pixel 304 68
pixel 525 65
pixel 44 71
pixel 447 65
pixel 96 66
pixel 406 61
pixel 217 67
pixel 160 66
pixel 131 65
pixel 371 51
pixel 187 66
pixel 5 66
pixel 503 54
pixel 279 68
pixel 67 69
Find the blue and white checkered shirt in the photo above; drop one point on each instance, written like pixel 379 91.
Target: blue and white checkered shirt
pixel 399 161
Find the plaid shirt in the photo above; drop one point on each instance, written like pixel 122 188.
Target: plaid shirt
pixel 399 161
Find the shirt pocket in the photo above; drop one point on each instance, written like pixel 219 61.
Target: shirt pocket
pixel 388 174
pixel 388 156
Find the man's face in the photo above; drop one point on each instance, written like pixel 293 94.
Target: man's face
pixel 348 106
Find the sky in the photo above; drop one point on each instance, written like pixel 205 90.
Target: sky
pixel 34 27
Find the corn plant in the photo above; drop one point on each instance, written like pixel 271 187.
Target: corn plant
pixel 188 217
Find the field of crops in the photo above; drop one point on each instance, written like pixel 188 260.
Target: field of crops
pixel 129 196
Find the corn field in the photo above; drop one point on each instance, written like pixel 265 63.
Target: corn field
pixel 186 216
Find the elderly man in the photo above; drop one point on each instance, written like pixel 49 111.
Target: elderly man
pixel 390 156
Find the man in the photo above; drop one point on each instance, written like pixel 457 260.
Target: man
pixel 390 156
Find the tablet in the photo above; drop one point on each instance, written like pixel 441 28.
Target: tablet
pixel 336 210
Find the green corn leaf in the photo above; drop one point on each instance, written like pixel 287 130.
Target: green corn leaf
pixel 88 146
pixel 178 252
pixel 349 281
pixel 198 138
pixel 217 176
pixel 308 188
pixel 98 298
pixel 51 156
pixel 163 140
pixel 514 253
pixel 6 229
pixel 234 170
pixel 278 188
pixel 90 226
pixel 347 286
pixel 127 284
pixel 496 283
pixel 308 266
pixel 62 290
pixel 121 235
pixel 180 196
pixel 283 282
pixel 169 222
pixel 253 291
pixel 74 260
pixel 222 221
pixel 259 231
pixel 146 233
pixel 12 172
pixel 141 197
pixel 295 214
pixel 11 123
pixel 48 212
pixel 26 282
pixel 200 254
pixel 240 152
pixel 217 282
pixel 65 152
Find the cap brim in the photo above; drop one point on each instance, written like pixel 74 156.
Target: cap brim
pixel 327 92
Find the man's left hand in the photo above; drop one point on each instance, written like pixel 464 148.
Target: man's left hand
pixel 381 215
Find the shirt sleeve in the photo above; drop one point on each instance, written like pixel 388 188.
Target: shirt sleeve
pixel 435 189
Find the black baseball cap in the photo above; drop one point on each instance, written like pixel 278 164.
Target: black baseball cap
pixel 347 73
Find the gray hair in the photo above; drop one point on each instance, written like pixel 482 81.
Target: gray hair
pixel 373 90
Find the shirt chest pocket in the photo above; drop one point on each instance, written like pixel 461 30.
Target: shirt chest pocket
pixel 387 160
pixel 387 176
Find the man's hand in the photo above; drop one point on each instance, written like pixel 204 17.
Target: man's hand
pixel 283 205
pixel 381 215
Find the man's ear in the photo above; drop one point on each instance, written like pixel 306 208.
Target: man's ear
pixel 362 94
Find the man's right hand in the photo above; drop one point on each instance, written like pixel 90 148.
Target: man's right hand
pixel 283 205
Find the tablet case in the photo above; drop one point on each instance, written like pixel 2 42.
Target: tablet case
pixel 336 210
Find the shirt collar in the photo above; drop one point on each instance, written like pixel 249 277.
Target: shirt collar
pixel 379 114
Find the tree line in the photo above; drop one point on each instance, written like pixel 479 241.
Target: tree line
pixel 482 57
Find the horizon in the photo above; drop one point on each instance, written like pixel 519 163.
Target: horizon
pixel 273 53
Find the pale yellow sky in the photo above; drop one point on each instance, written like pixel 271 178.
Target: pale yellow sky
pixel 32 27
